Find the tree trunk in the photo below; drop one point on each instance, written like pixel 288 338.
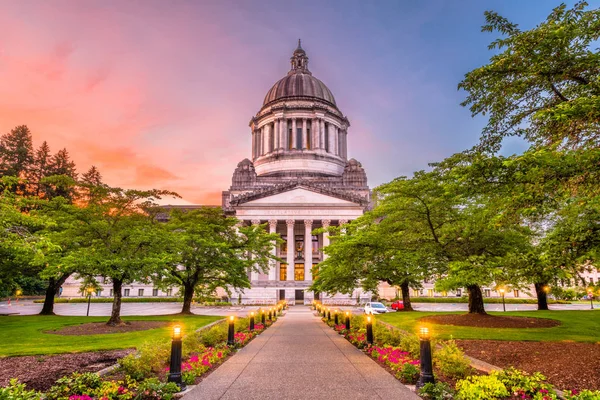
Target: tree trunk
pixel 542 296
pixel 475 300
pixel 406 296
pixel 51 291
pixel 115 316
pixel 188 295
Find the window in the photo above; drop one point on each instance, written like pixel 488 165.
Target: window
pixel 155 292
pixel 169 292
pixel 298 272
pixel 487 292
pixel 298 138
pixel 429 292
pixel 290 139
pixel 126 293
pixel 308 141
pixel 299 248
pixel 458 292
pixel 516 293
pixel 326 139
pixel 415 293
pixel 141 292
pixel 283 248
pixel 315 245
pixel 99 292
pixel 272 138
pixel 283 272
pixel 112 293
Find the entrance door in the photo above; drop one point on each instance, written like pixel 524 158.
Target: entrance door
pixel 299 296
pixel 317 296
pixel 281 294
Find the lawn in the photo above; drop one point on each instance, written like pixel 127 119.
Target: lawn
pixel 578 326
pixel 25 335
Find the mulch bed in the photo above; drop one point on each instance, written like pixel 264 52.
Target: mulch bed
pixel 567 365
pixel 490 321
pixel 100 328
pixel 40 372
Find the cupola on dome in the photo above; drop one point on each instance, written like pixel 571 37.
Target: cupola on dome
pixel 299 83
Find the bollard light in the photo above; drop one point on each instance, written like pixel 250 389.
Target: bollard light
pixel 329 314
pixel 369 330
pixel 175 365
pixel 270 315
pixel 231 332
pixel 262 316
pixel 252 321
pixel 347 320
pixel 336 320
pixel 425 359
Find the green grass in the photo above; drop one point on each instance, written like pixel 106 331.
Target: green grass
pixel 25 335
pixel 578 326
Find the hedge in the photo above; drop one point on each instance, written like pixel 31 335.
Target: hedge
pixel 489 300
pixel 133 300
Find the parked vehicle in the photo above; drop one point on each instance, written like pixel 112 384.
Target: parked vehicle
pixel 375 308
pixel 397 305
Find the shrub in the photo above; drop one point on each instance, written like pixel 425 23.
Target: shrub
pixel 408 373
pixel 411 344
pixel 486 387
pixel 451 361
pixel 523 384
pixel 386 336
pixel 148 360
pixel 214 335
pixel 436 391
pixel 18 391
pixel 75 384
pixel 583 395
pixel 153 389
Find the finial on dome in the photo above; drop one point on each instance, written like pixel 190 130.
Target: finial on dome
pixel 299 44
pixel 299 60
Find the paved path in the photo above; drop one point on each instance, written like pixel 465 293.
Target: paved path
pixel 299 357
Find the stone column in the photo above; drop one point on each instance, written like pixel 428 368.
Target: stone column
pixel 336 142
pixel 273 263
pixel 284 135
pixel 345 136
pixel 325 224
pixel 253 143
pixel 308 250
pixel 304 134
pixel 313 141
pixel 322 133
pixel 291 248
pixel 276 135
pixel 267 132
pixel 294 133
pixel 254 274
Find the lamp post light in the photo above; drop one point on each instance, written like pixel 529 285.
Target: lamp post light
pixel 262 316
pixel 231 332
pixel 175 365
pixel 502 290
pixel 89 290
pixel 329 314
pixel 347 320
pixel 369 330
pixel 17 294
pixel 425 359
pixel 251 321
pixel 335 316
pixel 270 314
pixel 591 296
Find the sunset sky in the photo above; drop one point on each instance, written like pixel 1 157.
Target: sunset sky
pixel 158 94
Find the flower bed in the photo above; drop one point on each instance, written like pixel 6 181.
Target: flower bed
pixel 142 375
pixel 399 353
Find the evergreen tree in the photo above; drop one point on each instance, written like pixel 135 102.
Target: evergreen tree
pixel 16 154
pixel 61 164
pixel 41 168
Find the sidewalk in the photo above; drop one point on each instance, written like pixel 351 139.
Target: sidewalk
pixel 300 357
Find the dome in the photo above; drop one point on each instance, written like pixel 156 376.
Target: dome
pixel 299 82
pixel 299 85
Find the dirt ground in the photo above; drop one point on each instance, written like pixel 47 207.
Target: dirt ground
pixel 100 328
pixel 40 372
pixel 567 365
pixel 490 321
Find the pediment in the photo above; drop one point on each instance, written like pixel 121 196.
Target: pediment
pixel 299 195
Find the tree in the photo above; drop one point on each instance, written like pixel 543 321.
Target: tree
pixel 544 83
pixel 62 165
pixel 16 155
pixel 41 168
pixel 209 250
pixel 119 239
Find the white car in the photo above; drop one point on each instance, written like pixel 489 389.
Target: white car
pixel 375 308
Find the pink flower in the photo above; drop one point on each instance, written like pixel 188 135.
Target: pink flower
pixel 194 358
pixel 220 354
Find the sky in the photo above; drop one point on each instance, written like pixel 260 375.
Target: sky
pixel 159 94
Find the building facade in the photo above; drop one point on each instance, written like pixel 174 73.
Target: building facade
pixel 298 179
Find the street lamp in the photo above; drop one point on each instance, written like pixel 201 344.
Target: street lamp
pixel 18 292
pixel 347 320
pixel 329 314
pixel 231 332
pixel 175 366
pixel 262 316
pixel 251 321
pixel 89 290
pixel 426 375
pixel 335 316
pixel 502 290
pixel 369 330
pixel 591 296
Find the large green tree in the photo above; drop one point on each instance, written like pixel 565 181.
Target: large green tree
pixel 542 84
pixel 209 250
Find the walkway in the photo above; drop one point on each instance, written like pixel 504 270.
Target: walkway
pixel 299 357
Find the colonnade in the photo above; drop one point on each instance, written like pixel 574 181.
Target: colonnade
pixel 299 134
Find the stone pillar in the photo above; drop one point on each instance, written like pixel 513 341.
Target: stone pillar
pixel 254 274
pixel 294 133
pixel 291 248
pixel 336 142
pixel 253 144
pixel 345 140
pixel 273 263
pixel 276 136
pixel 322 133
pixel 267 131
pixel 308 250
pixel 313 136
pixel 281 142
pixel 325 224
pixel 304 134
